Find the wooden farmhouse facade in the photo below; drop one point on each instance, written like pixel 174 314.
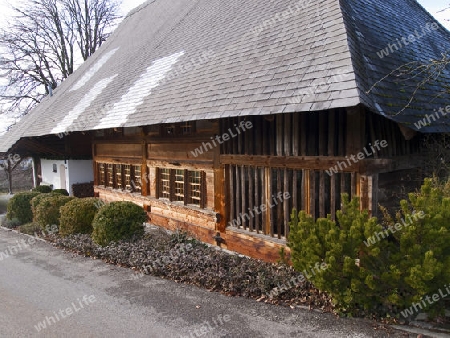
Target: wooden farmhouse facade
pixel 221 119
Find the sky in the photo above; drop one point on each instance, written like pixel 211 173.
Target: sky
pixel 435 7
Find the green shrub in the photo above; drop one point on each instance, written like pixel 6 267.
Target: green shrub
pixel 43 189
pixel 116 221
pixel 61 191
pixel 19 207
pixel 77 216
pixel 35 202
pixel 379 269
pixel 350 282
pixel 47 210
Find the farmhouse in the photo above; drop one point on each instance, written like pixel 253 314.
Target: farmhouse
pixel 220 117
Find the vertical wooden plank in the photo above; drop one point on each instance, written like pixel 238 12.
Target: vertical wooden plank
pixel 364 192
pixel 231 193
pixel 244 197
pixel 267 195
pixel 343 189
pixel 373 194
pixel 373 136
pixel 333 197
pixel 331 132
pixel 238 194
pixel 258 135
pixel 186 187
pixel 303 134
pixel 295 134
pixel 341 132
pixel 279 134
pixel 354 185
pixel 264 219
pixel 312 193
pixel 257 199
pixel 295 190
pixel 287 134
pixel 305 191
pixel 323 132
pixel 286 202
pixel 322 194
pixel 279 222
pixel 272 136
pixel 250 171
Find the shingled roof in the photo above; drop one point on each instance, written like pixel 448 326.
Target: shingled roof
pixel 182 60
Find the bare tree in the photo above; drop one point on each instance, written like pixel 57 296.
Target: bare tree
pixel 10 162
pixel 44 41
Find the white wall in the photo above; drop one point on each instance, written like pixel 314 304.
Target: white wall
pixel 80 171
pixel 77 171
pixel 48 176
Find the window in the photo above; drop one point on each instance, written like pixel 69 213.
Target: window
pixel 101 174
pixel 120 176
pixel 179 185
pixel 164 183
pixel 182 186
pixel 118 173
pixel 136 178
pixel 109 175
pixel 55 168
pixel 194 187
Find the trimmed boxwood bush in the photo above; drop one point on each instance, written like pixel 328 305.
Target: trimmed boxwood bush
pixel 116 221
pixel 35 202
pixel 19 207
pixel 61 192
pixel 47 212
pixel 77 216
pixel 43 189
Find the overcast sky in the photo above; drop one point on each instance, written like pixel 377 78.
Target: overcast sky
pixel 433 6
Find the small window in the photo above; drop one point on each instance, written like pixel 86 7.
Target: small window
pixel 136 174
pixel 55 168
pixel 118 172
pixel 179 185
pixel 164 183
pixel 195 187
pixel 101 174
pixel 110 175
pixel 182 186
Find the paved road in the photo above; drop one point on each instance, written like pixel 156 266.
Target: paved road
pixel 42 284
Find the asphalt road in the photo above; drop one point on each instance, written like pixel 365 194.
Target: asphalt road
pixel 81 297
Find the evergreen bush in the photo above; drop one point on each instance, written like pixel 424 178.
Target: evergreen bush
pixel 77 216
pixel 46 211
pixel 375 268
pixel 116 221
pixel 19 207
pixel 43 189
pixel 61 191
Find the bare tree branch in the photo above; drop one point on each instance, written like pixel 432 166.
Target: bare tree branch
pixel 42 42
